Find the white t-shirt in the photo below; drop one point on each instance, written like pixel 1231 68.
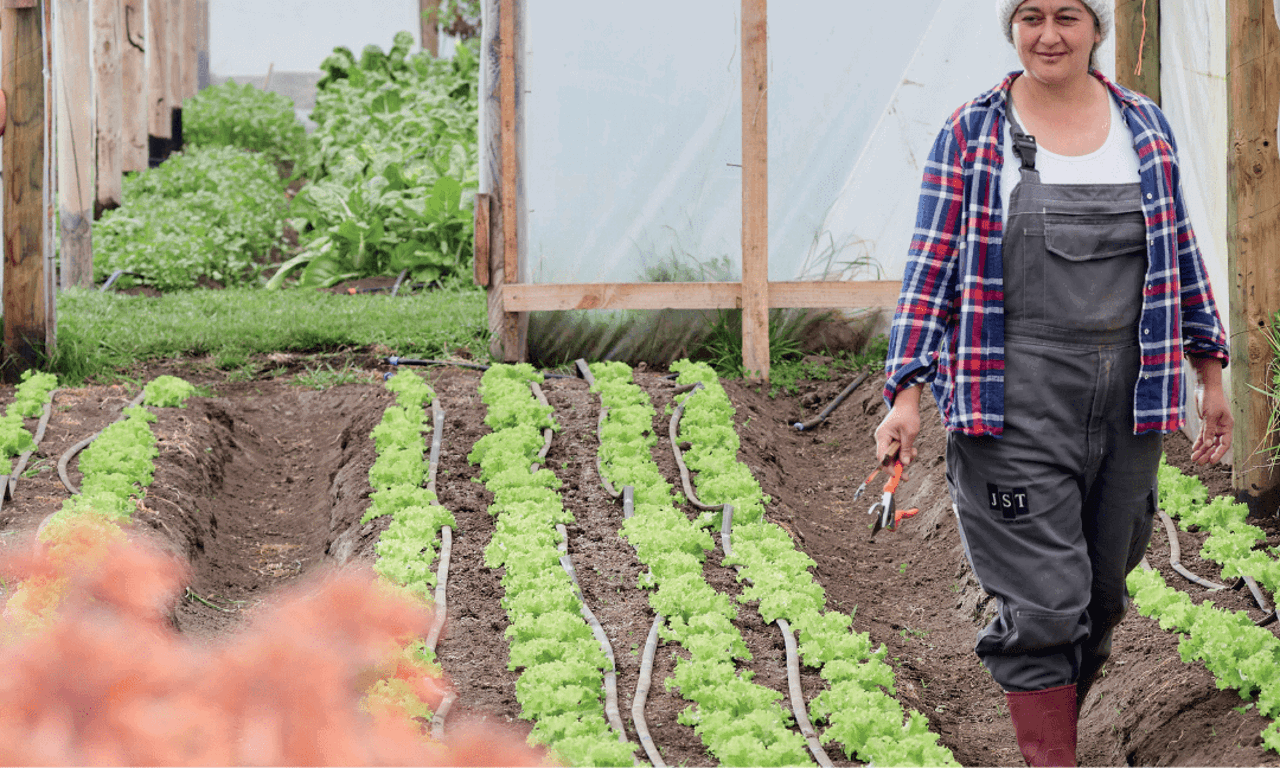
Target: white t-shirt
pixel 1115 162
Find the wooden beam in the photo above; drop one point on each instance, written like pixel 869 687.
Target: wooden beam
pixel 28 332
pixel 481 239
pixel 755 190
pixel 75 121
pixel 429 19
pixel 108 57
pixel 834 294
pixel 1253 232
pixel 500 169
pixel 159 105
pixel 175 46
pixel 1138 46
pixel 134 106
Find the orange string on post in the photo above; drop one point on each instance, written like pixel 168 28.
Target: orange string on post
pixel 1137 71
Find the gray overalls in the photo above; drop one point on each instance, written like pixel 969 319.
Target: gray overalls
pixel 1056 512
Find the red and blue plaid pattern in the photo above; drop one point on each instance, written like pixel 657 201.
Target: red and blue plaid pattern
pixel 949 325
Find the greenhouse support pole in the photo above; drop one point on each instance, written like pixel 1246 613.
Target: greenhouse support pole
pixel 755 190
pixel 74 149
pixel 134 86
pixel 190 48
pixel 202 45
pixel 175 46
pixel 1138 46
pixel 29 327
pixel 501 139
pixel 108 100
pixel 159 121
pixel 1253 238
pixel 429 21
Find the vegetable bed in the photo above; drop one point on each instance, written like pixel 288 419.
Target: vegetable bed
pixel 260 484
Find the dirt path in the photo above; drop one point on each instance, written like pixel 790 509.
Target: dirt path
pixel 264 481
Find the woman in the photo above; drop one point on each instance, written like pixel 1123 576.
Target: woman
pixel 1054 287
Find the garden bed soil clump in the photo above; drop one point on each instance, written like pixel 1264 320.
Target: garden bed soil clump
pixel 263 482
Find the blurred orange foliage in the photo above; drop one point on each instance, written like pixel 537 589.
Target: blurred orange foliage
pixel 95 673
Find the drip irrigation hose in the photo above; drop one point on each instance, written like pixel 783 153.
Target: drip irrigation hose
pixel 11 482
pixel 437 437
pixel 442 712
pixel 793 658
pixel 642 695
pixel 821 417
pixel 645 679
pixel 1175 556
pixel 80 446
pixel 442 576
pixel 1268 612
pixel 116 276
pixel 610 674
pixel 672 431
pixel 396 288
pixel 547 432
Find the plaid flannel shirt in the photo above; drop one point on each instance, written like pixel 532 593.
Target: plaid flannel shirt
pixel 948 328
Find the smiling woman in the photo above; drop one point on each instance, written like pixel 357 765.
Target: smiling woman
pixel 1044 318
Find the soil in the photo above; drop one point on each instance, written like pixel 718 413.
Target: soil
pixel 260 482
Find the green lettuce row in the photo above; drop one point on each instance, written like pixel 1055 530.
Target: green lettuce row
pixel 116 468
pixel 739 721
pixel 858 706
pixel 29 398
pixel 408 547
pixel 561 683
pixel 1231 541
pixel 1239 653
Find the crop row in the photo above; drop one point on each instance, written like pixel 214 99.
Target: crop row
pixel 1238 652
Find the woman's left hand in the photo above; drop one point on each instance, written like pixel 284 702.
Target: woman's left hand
pixel 1216 423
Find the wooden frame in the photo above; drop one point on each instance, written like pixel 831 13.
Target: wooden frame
pixel 755 295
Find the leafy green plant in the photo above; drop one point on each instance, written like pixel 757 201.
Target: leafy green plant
pixel 167 392
pixel 211 213
pixel 231 115
pixel 393 168
pixel 32 392
pixel 325 376
pixel 1272 388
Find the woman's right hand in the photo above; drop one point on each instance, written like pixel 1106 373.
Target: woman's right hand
pixel 898 430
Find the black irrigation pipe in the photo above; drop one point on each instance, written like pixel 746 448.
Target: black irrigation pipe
pixel 1175 560
pixel 11 482
pixel 793 658
pixel 610 675
pixel 672 431
pixel 396 360
pixel 821 417
pixel 80 446
pixel 645 679
pixel 442 570
pixel 584 372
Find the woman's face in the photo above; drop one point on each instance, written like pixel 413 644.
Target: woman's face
pixel 1055 39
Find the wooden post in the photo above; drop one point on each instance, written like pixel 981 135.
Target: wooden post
pixel 755 190
pixel 429 17
pixel 500 169
pixel 1138 46
pixel 134 104
pixel 75 141
pixel 190 48
pixel 202 44
pixel 108 51
pixel 174 45
pixel 28 330
pixel 160 122
pixel 1253 234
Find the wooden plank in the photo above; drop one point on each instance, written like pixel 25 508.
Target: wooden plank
pixel 108 54
pixel 28 335
pixel 1137 25
pixel 134 87
pixel 75 126
pixel 429 18
pixel 174 45
pixel 190 48
pixel 755 190
pixel 833 294
pixel 1253 234
pixel 481 238
pixel 501 171
pixel 160 121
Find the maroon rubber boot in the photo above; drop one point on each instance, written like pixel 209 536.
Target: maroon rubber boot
pixel 1045 724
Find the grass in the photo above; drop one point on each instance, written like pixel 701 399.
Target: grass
pixel 101 335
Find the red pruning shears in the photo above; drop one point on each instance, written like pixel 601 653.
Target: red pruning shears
pixel 885 511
